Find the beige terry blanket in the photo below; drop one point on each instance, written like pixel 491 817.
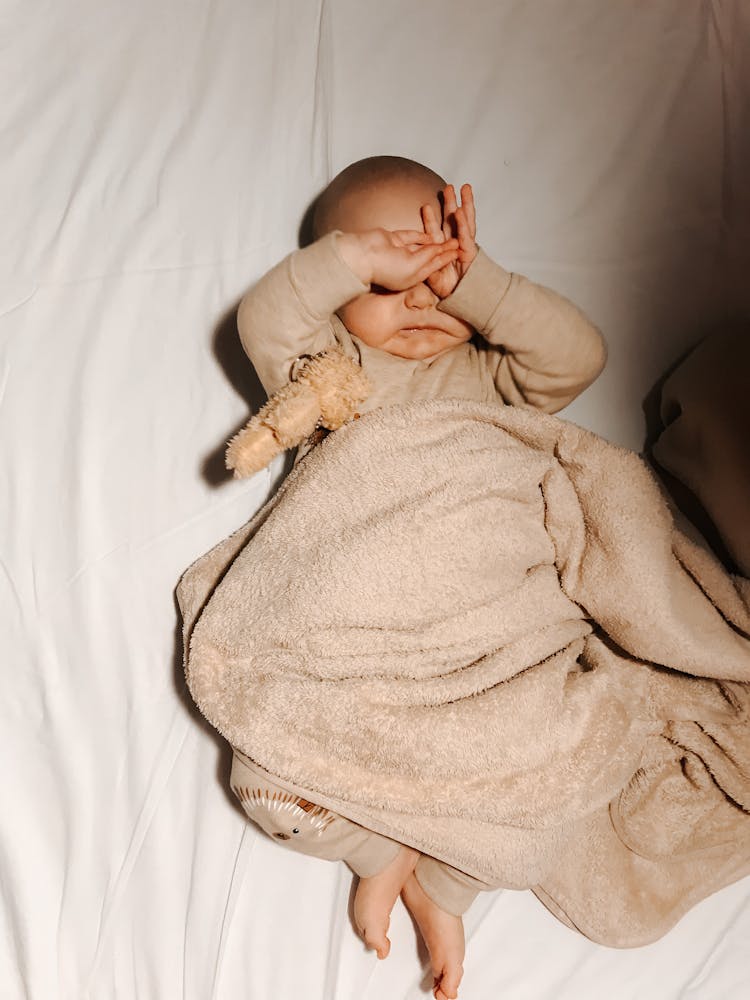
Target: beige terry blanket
pixel 477 630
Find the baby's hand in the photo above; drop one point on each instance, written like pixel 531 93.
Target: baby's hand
pixel 444 936
pixel 458 221
pixel 376 897
pixel 396 260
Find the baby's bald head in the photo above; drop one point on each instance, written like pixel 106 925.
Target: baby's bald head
pixel 377 192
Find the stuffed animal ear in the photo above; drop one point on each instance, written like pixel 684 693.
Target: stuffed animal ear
pixel 326 391
pixel 340 385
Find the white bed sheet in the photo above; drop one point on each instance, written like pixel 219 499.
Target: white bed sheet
pixel 157 157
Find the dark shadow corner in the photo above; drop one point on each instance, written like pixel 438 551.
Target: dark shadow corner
pixel 305 232
pixel 657 419
pixel 239 371
pixel 241 375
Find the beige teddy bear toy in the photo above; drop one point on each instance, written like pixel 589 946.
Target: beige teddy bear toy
pixel 325 393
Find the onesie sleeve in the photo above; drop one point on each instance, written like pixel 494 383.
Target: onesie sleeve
pixel 306 827
pixel 452 890
pixel 288 313
pixel 540 348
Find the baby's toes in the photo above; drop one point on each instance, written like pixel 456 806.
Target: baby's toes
pixel 383 949
pixel 381 946
pixel 447 987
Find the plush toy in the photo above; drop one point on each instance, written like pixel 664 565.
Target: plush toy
pixel 325 393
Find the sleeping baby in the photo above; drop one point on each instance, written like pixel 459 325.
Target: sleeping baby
pixel 396 280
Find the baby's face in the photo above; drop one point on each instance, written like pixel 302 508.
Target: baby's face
pixel 407 323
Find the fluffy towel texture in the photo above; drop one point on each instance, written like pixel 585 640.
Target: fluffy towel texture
pixel 474 629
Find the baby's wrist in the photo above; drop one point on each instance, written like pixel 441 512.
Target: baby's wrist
pixel 355 253
pixel 465 259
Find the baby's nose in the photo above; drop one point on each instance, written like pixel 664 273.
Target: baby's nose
pixel 420 297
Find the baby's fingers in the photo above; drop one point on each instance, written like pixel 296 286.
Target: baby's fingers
pixel 462 227
pixel 431 224
pixel 449 210
pixel 467 249
pixel 437 261
pixel 467 204
pixel 434 251
pixel 449 201
pixel 410 237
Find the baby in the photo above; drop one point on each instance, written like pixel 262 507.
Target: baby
pixel 396 279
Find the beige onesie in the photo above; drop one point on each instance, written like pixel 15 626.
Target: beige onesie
pixel 533 347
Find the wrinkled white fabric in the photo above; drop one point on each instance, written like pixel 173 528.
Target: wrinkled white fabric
pixel 156 159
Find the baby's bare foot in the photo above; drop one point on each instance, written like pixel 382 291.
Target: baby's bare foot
pixel 443 934
pixel 376 897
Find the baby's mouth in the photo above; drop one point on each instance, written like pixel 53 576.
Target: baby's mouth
pixel 424 328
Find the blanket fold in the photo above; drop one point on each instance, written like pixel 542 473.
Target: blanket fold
pixel 477 630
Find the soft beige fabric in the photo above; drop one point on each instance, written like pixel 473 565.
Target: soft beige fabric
pixel 534 345
pixel 470 628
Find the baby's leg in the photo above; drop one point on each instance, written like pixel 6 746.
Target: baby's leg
pixel 376 897
pixel 443 934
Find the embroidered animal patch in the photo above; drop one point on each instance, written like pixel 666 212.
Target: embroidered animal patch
pixel 287 815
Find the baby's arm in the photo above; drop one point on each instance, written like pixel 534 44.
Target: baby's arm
pixel 547 351
pixel 287 314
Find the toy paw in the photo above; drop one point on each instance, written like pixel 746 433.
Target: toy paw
pixel 326 392
pixel 251 450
